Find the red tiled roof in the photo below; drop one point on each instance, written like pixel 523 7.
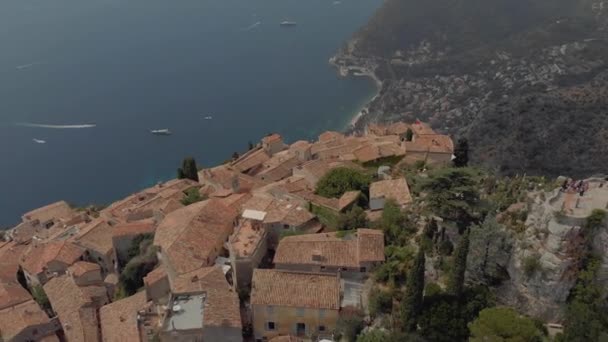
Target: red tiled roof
pixel 269 139
pixel 39 256
pixel 17 318
pixel 57 210
pixel 119 319
pixel 81 267
pixel 74 308
pixel 134 228
pixel 222 303
pixel 188 236
pixel 396 189
pixel 154 276
pixel 301 290
pixel 96 236
pixel 327 249
pixel 435 143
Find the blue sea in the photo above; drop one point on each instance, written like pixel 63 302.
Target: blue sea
pixel 129 66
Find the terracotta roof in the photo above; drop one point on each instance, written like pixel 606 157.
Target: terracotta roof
pixel 74 308
pixel 134 228
pixel 222 303
pixel 57 210
pixel 97 293
pixel 111 278
pixel 398 128
pixel 198 280
pixel 420 128
pixel 187 236
pixel 223 177
pixel 119 319
pixel 11 292
pixel 376 129
pixel 235 201
pixel 279 166
pixel 81 267
pixel 327 249
pixel 367 153
pixel 287 211
pixel 302 290
pixel 347 199
pixel 337 204
pixel 150 199
pixel 171 206
pixel 15 319
pixel 300 145
pixel 38 257
pixel 271 138
pixel 371 245
pixel 330 135
pixel 154 276
pixel 247 237
pixel 12 252
pixel 250 160
pixel 96 236
pixel 396 189
pixel 295 184
pixel 221 193
pixel 435 143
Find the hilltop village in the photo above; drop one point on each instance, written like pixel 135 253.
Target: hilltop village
pixel 255 256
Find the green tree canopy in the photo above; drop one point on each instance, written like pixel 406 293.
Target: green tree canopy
pixel 41 298
pixel 192 196
pixel 340 180
pixel 504 324
pixel 587 312
pixel 352 219
pixel 453 194
pixel 411 305
pixel 395 223
pixel 456 280
pixel 444 317
pixel 188 170
pixel 489 252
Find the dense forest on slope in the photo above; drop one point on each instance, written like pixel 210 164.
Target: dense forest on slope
pixel 524 80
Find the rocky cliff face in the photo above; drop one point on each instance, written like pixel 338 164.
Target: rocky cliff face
pixel 546 258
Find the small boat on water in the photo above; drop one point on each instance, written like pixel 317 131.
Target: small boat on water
pixel 39 141
pixel 209 117
pixel 287 23
pixel 163 131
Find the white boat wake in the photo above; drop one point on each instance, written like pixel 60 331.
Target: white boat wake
pixel 39 141
pixel 25 66
pixel 252 26
pixel 35 125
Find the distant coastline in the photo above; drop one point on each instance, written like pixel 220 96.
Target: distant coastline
pixel 346 69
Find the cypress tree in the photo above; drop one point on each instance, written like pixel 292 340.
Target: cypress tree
pixel 461 153
pixel 188 170
pixel 411 305
pixel 456 281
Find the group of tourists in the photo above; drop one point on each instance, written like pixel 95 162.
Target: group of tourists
pixel 573 186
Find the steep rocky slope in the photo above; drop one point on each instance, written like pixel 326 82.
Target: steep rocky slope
pixel 525 80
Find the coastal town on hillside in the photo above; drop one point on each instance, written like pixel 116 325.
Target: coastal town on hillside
pixel 252 258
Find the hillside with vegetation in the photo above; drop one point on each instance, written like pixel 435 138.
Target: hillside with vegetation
pixel 471 260
pixel 524 80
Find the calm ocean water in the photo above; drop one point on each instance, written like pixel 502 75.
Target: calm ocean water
pixel 129 66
